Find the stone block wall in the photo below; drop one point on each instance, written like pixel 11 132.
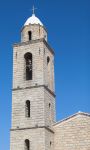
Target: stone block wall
pixel 36 97
pixel 49 107
pixel 36 137
pixel 42 75
pixel 49 69
pixel 73 133
pixel 19 71
pixel 38 32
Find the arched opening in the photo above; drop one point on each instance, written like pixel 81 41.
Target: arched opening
pixel 28 59
pixel 27 108
pixel 48 60
pixel 27 144
pixel 30 35
pixel 48 71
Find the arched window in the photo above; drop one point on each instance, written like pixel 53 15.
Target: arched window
pixel 48 60
pixel 27 144
pixel 27 108
pixel 28 59
pixel 48 71
pixel 30 35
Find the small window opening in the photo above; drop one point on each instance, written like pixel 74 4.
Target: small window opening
pixel 44 50
pixel 39 30
pixel 49 105
pixel 39 51
pixel 16 55
pixel 27 109
pixel 30 35
pixel 50 143
pixel 27 144
pixel 28 58
pixel 48 60
pixel 44 36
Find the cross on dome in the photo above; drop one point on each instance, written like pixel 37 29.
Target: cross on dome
pixel 33 10
pixel 33 19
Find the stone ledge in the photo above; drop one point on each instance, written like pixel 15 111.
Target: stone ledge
pixel 46 127
pixel 35 41
pixel 37 86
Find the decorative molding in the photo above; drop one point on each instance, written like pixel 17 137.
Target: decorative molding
pixel 47 128
pixel 37 86
pixel 35 41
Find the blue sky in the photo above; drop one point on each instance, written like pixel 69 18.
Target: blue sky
pixel 68 25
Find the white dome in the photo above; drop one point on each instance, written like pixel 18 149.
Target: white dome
pixel 33 20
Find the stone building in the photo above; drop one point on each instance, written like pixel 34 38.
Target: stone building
pixel 34 126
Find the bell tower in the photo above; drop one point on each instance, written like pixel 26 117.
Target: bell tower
pixel 33 95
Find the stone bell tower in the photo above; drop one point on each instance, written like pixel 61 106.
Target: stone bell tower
pixel 33 98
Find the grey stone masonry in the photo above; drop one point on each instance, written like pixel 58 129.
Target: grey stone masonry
pixel 39 138
pixel 34 125
pixel 40 115
pixel 73 133
pixel 43 74
pixel 39 91
pixel 37 31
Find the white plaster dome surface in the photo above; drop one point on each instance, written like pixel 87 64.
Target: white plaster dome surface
pixel 33 20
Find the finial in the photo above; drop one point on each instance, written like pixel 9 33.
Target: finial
pixel 33 10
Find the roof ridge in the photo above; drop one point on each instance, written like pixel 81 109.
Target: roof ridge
pixel 71 116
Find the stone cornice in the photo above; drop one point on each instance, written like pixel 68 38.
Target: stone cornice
pixel 35 41
pixel 46 127
pixel 36 86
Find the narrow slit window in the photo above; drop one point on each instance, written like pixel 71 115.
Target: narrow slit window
pixel 28 59
pixel 50 143
pixel 49 105
pixel 30 35
pixel 27 108
pixel 48 60
pixel 27 144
